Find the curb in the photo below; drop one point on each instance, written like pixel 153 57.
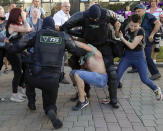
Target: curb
pixel 159 64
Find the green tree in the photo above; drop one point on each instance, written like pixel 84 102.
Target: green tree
pixel 6 2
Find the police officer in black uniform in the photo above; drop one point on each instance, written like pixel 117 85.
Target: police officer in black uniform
pixel 45 68
pixel 94 23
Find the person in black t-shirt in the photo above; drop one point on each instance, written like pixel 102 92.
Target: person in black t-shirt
pixel 2 27
pixel 134 54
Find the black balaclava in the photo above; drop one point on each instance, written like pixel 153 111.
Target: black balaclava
pixel 94 12
pixel 2 18
pixel 49 23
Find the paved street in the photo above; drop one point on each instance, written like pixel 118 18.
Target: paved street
pixel 139 111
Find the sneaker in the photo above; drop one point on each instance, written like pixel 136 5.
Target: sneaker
pixel 22 92
pixel 106 100
pixel 55 121
pixel 154 60
pixel 155 76
pixel 22 96
pixel 16 98
pixel 114 105
pixel 2 99
pixel 158 94
pixel 80 105
pixel 6 71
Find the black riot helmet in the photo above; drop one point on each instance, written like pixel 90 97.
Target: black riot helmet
pixel 49 23
pixel 94 12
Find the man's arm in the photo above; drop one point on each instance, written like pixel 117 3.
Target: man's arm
pixel 157 26
pixel 83 46
pixel 112 18
pixel 135 42
pixel 72 47
pixel 25 42
pixel 76 20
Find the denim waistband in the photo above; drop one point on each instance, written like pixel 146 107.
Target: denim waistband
pixel 130 52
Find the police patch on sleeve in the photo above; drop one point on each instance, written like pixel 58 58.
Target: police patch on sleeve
pixel 50 40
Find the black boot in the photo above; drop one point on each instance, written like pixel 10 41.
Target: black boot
pixel 113 97
pixel 114 105
pixel 31 106
pixel 55 121
pixel 30 93
pixel 120 85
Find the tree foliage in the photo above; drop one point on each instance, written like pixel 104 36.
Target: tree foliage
pixel 119 6
pixel 7 2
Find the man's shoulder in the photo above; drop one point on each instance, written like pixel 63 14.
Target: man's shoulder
pixel 149 15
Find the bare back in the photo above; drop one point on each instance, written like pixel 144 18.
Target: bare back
pixel 96 63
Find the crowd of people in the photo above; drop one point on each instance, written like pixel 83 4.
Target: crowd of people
pixel 37 46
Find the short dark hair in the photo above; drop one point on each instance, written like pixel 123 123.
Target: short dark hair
pixel 135 18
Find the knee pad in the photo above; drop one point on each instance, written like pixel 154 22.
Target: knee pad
pixel 73 62
pixel 112 73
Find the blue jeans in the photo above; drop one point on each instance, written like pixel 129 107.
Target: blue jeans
pixel 136 59
pixel 93 78
pixel 151 65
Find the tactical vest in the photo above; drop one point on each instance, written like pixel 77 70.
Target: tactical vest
pixel 95 33
pixel 49 48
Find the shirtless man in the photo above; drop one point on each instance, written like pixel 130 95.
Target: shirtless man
pixel 93 73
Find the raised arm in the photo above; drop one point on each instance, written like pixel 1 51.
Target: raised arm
pixel 72 47
pixel 157 26
pixel 83 46
pixel 76 20
pixel 25 42
pixel 133 44
pixel 24 28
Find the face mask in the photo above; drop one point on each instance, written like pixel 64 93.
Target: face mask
pixel 2 18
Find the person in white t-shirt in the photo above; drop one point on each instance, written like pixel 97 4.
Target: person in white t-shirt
pixel 63 15
pixel 60 18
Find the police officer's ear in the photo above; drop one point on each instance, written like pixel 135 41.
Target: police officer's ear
pixel 57 27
